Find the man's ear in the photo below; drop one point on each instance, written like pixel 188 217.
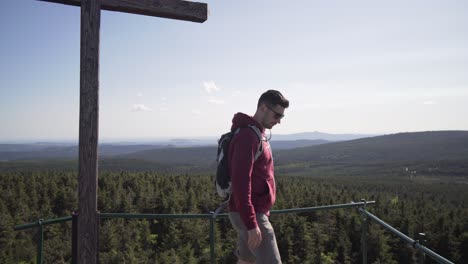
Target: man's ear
pixel 261 110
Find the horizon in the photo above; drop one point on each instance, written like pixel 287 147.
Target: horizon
pixel 155 139
pixel 347 68
pixel 203 139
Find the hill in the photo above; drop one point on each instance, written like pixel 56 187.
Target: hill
pixel 429 154
pixel 320 136
pixel 292 144
pixel 176 156
pixel 47 151
pixel 401 147
pixel 436 153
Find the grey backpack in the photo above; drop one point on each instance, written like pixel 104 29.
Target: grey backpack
pixel 223 179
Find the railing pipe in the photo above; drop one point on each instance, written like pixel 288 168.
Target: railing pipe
pixel 422 240
pixel 319 208
pixel 212 238
pixel 414 243
pixel 154 216
pixel 74 237
pixel 364 230
pixel 43 223
pixel 196 216
pixel 40 242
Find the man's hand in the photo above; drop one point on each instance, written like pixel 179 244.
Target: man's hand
pixel 255 238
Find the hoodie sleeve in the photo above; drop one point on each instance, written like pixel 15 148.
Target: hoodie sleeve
pixel 242 156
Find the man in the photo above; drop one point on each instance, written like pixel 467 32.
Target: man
pixel 253 183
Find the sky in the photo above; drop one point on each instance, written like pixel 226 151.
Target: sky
pixel 367 67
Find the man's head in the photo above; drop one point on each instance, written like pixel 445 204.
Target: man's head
pixel 270 108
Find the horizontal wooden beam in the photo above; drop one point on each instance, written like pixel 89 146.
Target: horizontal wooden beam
pixel 173 9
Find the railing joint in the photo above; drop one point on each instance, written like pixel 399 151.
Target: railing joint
pixel 219 209
pixel 365 203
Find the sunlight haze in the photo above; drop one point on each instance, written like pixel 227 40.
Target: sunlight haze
pixel 371 67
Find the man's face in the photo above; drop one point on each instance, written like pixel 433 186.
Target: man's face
pixel 273 115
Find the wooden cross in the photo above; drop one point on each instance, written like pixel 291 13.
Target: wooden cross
pixel 88 216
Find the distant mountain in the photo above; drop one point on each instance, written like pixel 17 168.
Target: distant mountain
pixel 180 156
pixel 416 146
pixel 431 154
pixel 320 136
pixel 44 152
pixel 112 149
pixel 291 144
pixel 407 147
pixel 53 150
pixel 29 147
pixel 186 142
pixel 201 156
pixel 65 151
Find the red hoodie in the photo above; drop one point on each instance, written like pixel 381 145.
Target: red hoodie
pixel 253 183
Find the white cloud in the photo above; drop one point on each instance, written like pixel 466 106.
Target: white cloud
pixel 213 100
pixel 430 103
pixel 139 94
pixel 140 108
pixel 196 112
pixel 210 86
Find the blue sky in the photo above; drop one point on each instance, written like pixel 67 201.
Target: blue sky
pixel 372 67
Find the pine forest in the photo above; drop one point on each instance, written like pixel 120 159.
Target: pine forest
pixel 436 207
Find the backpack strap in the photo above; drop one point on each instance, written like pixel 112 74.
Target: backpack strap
pixel 260 146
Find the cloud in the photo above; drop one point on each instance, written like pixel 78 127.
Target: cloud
pixel 210 86
pixel 196 112
pixel 139 94
pixel 430 102
pixel 213 100
pixel 140 108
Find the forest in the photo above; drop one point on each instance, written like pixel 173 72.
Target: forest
pixel 435 206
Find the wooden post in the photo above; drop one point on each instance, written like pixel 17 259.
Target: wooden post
pixel 74 238
pixel 88 139
pixel 88 220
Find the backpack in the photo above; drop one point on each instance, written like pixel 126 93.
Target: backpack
pixel 223 179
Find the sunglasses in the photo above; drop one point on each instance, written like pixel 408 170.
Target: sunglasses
pixel 277 115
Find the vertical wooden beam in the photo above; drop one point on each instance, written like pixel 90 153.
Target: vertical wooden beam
pixel 88 139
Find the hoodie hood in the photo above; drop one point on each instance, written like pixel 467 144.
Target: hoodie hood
pixel 243 120
pixel 252 178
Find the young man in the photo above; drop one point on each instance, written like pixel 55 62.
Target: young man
pixel 253 183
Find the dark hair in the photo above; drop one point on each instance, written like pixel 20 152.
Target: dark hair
pixel 273 98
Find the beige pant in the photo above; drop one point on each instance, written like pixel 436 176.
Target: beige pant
pixel 267 252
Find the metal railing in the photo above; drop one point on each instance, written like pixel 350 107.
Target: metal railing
pixel 40 225
pixel 360 206
pixel 415 243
